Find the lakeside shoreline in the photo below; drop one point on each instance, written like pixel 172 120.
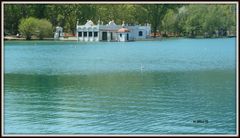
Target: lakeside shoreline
pixel 14 38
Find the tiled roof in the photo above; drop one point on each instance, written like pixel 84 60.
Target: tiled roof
pixel 122 30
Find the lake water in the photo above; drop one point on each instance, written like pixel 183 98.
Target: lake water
pixel 178 86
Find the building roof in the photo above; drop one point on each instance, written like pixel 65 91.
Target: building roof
pixel 122 30
pixel 111 23
pixel 89 23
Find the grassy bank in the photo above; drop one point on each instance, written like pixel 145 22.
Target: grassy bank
pixel 12 38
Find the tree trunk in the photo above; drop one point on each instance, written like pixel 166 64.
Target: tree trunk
pixel 154 31
pixel 28 38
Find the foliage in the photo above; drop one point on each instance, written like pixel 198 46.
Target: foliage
pixel 169 22
pixel 33 26
pixel 44 29
pixel 27 27
pixel 191 20
pixel 215 20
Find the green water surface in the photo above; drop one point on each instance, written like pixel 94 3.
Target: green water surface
pixel 182 86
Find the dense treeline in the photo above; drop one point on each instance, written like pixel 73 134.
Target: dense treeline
pixel 208 20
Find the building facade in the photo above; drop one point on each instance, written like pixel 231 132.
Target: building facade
pixel 59 33
pixel 111 32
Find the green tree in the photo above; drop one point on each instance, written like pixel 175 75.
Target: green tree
pixel 140 14
pixel 39 10
pixel 169 22
pixel 28 26
pixel 195 19
pixel 44 29
pixel 156 13
pixel 181 19
pixel 212 20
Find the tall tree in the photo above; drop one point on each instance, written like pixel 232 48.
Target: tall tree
pixel 156 12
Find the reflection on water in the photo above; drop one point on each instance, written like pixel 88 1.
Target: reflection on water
pixel 121 103
pixel 161 99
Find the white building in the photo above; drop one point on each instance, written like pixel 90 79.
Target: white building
pixel 111 32
pixel 59 33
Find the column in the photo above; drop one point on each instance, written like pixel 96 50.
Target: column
pixel 87 35
pixel 77 35
pixel 108 36
pixel 92 35
pixel 99 35
pixel 82 36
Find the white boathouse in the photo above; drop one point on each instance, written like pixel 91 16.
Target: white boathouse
pixel 91 32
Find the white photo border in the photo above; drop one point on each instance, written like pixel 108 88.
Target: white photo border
pixel 118 2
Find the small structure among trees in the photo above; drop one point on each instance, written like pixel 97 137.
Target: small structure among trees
pixel 58 33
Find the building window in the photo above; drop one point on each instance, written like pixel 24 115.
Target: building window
pixel 120 35
pixel 90 34
pixel 84 34
pixel 95 34
pixel 140 33
pixel 80 34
